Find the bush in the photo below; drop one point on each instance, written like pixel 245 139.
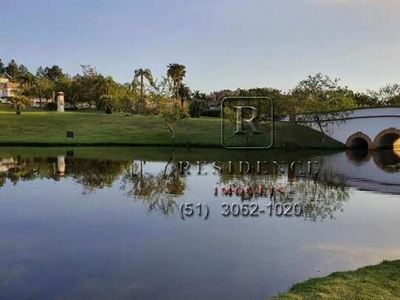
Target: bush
pixel 211 113
pixel 196 107
pixel 52 106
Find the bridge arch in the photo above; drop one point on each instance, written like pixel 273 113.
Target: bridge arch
pixel 359 140
pixel 386 138
pixel 384 159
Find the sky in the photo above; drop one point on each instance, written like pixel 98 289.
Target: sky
pixel 224 44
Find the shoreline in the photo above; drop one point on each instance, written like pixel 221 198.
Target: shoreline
pixel 177 145
pixel 381 281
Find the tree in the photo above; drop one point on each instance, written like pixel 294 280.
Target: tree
pixel 163 88
pixel 88 88
pixel 274 95
pixel 44 89
pixel 199 95
pixel 142 74
pixel 320 99
pixel 176 72
pixel 22 71
pixel 27 79
pixel 40 72
pixel 197 107
pixel 111 94
pixel 12 70
pixel 366 100
pixel 165 107
pixel 2 68
pixel 92 88
pixel 54 73
pixel 388 95
pixel 19 102
pixel 216 97
pixel 172 113
pixel 63 84
pixel 122 98
pixel 89 70
pixel 184 93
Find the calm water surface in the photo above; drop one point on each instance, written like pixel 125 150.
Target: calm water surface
pixel 105 223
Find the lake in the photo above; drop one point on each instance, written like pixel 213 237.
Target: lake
pixel 122 223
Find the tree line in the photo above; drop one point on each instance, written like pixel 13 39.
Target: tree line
pixel 171 97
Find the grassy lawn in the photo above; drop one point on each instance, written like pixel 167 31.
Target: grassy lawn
pixel 36 126
pixel 381 282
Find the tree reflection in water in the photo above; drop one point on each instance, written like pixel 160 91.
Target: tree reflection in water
pixel 95 174
pixel 26 169
pixel 158 191
pixel 91 174
pixel 321 195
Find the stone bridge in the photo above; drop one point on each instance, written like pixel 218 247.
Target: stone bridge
pixel 372 128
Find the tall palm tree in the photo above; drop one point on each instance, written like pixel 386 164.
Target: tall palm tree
pixel 176 72
pixel 184 93
pixel 143 74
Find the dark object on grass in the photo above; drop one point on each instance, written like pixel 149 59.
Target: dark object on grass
pixel 52 106
pixel 108 110
pixel 70 134
pixel 211 113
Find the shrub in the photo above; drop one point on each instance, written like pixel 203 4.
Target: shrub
pixel 196 107
pixel 211 113
pixel 52 106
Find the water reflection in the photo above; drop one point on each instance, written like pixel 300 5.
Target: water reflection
pixel 322 193
pixel 320 196
pixel 375 171
pixel 74 225
pixel 385 160
pixel 157 190
pixel 92 174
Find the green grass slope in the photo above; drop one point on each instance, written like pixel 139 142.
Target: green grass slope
pixel 96 128
pixel 381 282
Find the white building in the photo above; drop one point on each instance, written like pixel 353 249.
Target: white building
pixel 7 88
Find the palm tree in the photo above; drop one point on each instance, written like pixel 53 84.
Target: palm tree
pixel 142 74
pixel 19 102
pixel 184 93
pixel 199 95
pixel 176 72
